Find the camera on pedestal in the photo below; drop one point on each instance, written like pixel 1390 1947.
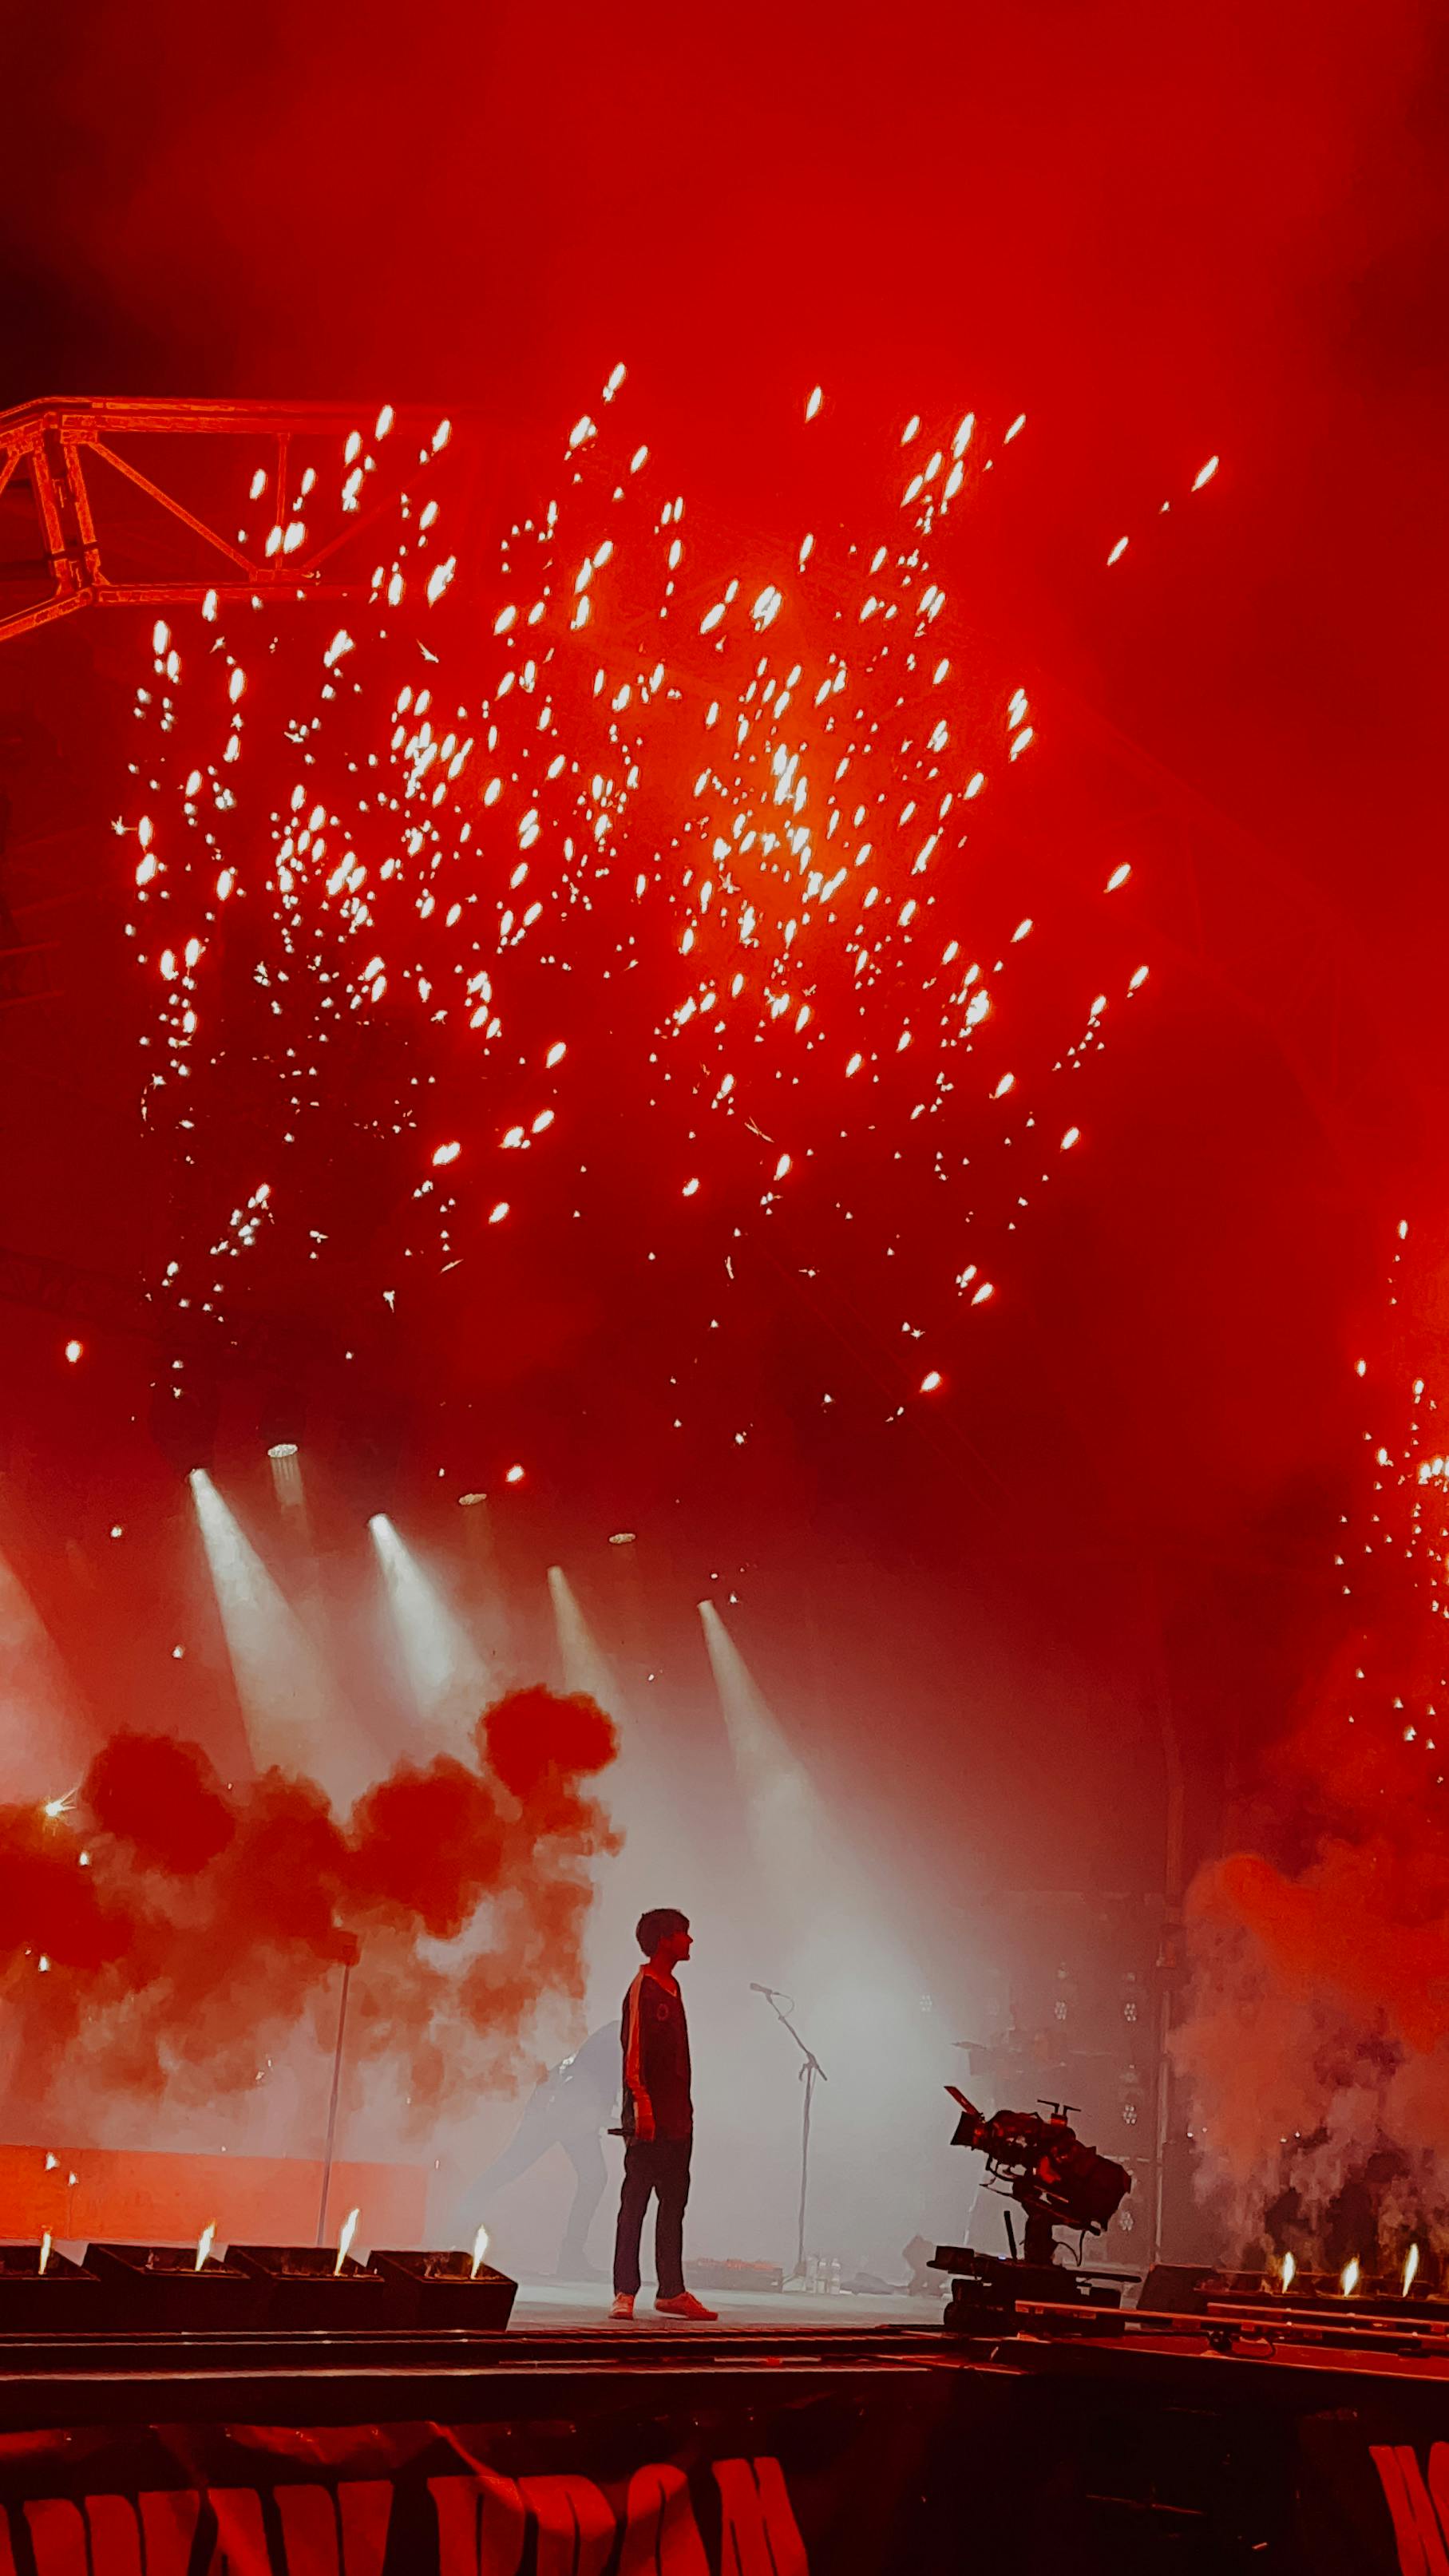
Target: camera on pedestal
pixel 1057 2182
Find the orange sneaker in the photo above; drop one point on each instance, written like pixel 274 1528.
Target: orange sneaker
pixel 686 2305
pixel 623 2307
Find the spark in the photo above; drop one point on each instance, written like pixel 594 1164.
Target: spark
pixel 1289 2268
pixel 204 2244
pixel 1349 2277
pixel 45 2244
pixel 480 2248
pixel 1411 2268
pixel 461 855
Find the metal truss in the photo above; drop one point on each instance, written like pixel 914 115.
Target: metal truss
pixel 62 453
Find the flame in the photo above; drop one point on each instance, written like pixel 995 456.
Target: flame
pixel 1411 2267
pixel 204 2244
pixel 1349 2279
pixel 1289 2268
pixel 344 2241
pixel 45 2249
pixel 480 2248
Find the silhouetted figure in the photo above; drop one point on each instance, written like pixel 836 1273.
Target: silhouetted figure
pixel 657 2119
pixel 569 2109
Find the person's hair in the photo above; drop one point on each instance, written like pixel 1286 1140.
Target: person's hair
pixel 656 1926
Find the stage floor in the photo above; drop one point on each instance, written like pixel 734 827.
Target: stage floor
pixel 562 2306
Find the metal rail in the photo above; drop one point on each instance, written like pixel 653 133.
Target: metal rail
pixel 53 450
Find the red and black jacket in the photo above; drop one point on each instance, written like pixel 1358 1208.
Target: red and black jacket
pixel 655 2038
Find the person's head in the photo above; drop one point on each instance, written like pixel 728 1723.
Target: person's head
pixel 663 1935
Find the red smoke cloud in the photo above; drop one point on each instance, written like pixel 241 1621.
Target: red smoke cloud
pixel 172 1932
pixel 1317 2036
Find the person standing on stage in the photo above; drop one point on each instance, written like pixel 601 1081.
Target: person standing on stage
pixel 570 2109
pixel 657 2120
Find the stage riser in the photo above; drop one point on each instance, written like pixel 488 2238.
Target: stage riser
pixel 421 2457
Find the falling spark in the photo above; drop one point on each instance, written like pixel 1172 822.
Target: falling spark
pixel 204 2244
pixel 480 2248
pixel 344 2241
pixel 45 2249
pixel 1411 2268
pixel 1349 2278
pixel 809 911
pixel 1289 2268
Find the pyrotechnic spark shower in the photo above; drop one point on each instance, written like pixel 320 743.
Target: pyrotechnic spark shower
pixel 381 902
pixel 1392 1557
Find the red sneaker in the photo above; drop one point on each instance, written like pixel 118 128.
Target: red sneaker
pixel 623 2307
pixel 686 2305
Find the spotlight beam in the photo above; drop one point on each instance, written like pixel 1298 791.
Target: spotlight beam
pixel 283 1686
pixel 586 1667
pixel 446 1674
pixel 42 1743
pixel 782 1810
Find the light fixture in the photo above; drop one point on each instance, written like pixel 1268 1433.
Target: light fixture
pixel 283 1449
pixel 622 1538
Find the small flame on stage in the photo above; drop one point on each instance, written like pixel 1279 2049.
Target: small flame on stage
pixel 480 2248
pixel 45 2249
pixel 1349 2279
pixel 1289 2268
pixel 204 2244
pixel 344 2241
pixel 1411 2267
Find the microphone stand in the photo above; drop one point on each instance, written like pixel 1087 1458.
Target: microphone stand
pixel 809 2068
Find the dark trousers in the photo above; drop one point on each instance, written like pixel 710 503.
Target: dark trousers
pixel 653 2165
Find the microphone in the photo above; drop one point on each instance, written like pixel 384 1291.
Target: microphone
pixel 766 1990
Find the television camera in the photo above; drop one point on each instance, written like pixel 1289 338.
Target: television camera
pixel 1058 2182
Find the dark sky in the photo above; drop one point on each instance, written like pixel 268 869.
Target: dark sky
pixel 1163 235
